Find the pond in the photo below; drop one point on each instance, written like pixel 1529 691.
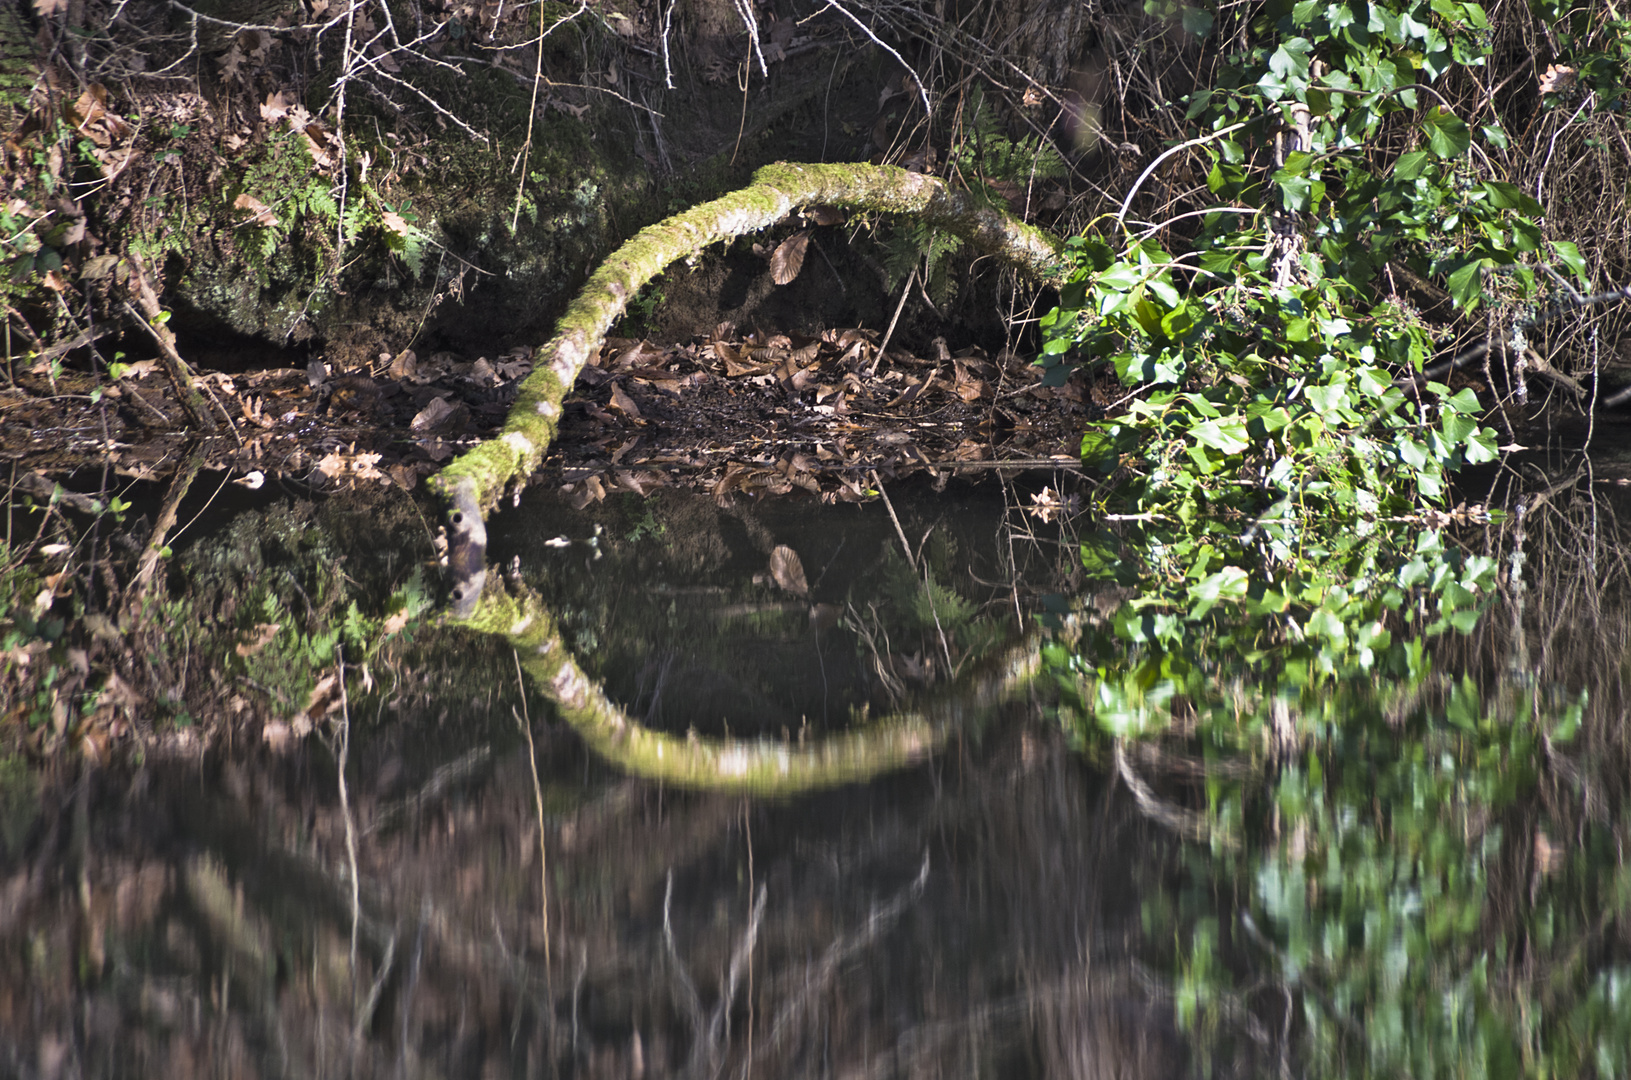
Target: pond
pixel 828 790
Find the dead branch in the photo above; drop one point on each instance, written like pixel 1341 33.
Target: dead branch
pixel 151 318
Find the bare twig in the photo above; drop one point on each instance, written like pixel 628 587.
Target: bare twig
pixel 161 528
pixel 905 292
pixel 668 26
pixel 1186 823
pixel 1121 214
pixel 878 921
pixel 923 91
pixel 684 989
pixel 1551 145
pixel 744 8
pixel 350 823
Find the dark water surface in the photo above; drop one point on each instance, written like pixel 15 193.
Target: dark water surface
pixel 1429 888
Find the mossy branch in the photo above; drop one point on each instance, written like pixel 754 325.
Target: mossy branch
pixel 776 191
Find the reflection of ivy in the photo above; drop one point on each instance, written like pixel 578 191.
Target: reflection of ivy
pixel 1375 888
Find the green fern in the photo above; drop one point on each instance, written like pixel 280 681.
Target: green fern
pixel 986 154
pixel 903 249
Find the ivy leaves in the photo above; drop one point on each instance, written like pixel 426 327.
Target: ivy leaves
pixel 1277 472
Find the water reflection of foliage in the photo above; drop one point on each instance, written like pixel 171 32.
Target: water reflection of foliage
pixel 1246 648
pixel 205 925
pixel 1424 880
pixel 690 633
pixel 759 766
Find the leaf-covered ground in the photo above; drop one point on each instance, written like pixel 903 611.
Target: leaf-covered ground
pixel 750 414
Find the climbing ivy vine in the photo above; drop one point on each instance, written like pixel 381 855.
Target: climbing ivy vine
pixel 1278 465
pixel 1277 502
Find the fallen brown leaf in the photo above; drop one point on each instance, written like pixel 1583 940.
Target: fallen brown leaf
pixel 432 415
pixel 788 258
pixel 259 213
pixel 581 495
pixel 325 696
pixel 825 215
pixel 1557 77
pixel 624 404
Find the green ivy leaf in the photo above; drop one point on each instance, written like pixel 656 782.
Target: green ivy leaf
pixel 1482 447
pixel 1447 136
pixel 1465 401
pixel 1409 166
pixel 1466 283
pixel 1290 61
pixel 1570 256
pixel 1504 196
pixel 1230 583
pixel 1227 434
pixel 1120 277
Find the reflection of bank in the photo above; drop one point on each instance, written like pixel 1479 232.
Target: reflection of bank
pixel 749 766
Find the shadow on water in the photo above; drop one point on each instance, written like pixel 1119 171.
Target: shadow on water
pixel 1174 856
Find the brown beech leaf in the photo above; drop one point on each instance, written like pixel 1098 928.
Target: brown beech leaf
pixel 432 415
pixel 788 571
pixel 733 368
pixel 642 354
pixel 1557 77
pixel 624 404
pixel 394 222
pixel 259 213
pixel 259 638
pixel 639 481
pixel 788 258
pixel 404 365
pixel 825 215
pixel 320 143
pixel 581 495
pixel 275 107
pixel 970 390
pixel 325 697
